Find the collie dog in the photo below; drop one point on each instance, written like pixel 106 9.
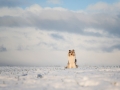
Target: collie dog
pixel 71 59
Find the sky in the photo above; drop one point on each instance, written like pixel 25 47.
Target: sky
pixel 40 32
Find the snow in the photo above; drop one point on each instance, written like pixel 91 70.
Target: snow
pixel 58 78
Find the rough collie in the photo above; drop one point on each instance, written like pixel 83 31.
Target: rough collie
pixel 71 59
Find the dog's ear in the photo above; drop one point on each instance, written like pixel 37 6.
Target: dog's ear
pixel 73 50
pixel 69 50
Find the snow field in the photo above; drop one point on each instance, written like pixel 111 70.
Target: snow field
pixel 58 78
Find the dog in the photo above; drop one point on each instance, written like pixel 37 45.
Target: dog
pixel 72 59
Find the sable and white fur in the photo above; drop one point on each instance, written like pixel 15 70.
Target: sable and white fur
pixel 71 59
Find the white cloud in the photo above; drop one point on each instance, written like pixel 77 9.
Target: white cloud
pixel 54 1
pixel 36 9
pixel 105 7
pixel 102 32
pixel 99 6
pixel 56 8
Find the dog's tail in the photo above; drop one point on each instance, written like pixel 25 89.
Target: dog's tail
pixel 76 62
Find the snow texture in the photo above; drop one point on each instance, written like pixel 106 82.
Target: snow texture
pixel 58 78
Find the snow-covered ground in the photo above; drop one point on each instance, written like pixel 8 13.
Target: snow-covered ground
pixel 58 78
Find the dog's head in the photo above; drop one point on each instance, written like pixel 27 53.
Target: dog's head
pixel 71 53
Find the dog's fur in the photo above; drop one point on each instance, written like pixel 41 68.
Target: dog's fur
pixel 71 59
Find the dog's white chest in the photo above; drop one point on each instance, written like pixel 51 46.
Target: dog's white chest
pixel 71 59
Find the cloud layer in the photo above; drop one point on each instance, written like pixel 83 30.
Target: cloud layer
pixel 40 36
pixel 60 19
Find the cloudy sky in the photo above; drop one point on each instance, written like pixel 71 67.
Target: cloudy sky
pixel 40 32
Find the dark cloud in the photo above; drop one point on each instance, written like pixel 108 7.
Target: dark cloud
pixel 46 24
pixel 21 48
pixel 108 23
pixel 57 36
pixel 110 49
pixel 50 45
pixel 66 22
pixel 2 49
